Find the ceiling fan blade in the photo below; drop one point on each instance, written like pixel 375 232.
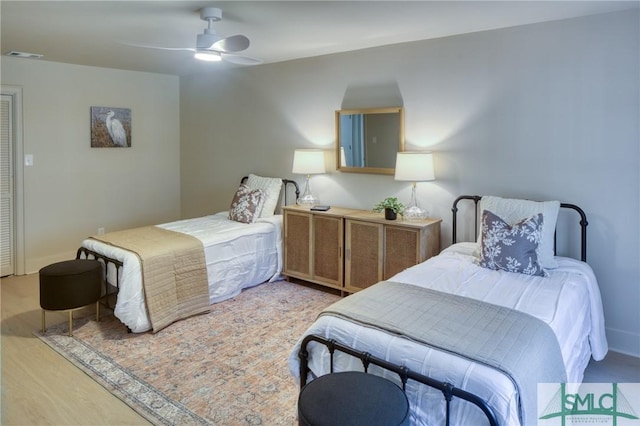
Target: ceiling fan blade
pixel 240 60
pixel 231 44
pixel 148 46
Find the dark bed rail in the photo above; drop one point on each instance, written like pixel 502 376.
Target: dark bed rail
pixel 476 199
pixel 447 389
pixel 85 253
pixel 454 209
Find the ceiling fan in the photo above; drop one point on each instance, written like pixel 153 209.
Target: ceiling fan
pixel 212 47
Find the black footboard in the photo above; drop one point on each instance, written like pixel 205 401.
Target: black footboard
pixel 448 390
pixel 85 253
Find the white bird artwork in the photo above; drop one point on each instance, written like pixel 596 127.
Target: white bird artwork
pixel 115 129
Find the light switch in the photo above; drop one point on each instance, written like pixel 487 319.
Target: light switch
pixel 28 160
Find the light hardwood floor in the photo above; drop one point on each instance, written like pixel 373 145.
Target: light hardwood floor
pixel 39 387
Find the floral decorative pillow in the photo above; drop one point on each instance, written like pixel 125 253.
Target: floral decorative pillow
pixel 511 248
pixel 247 204
pixel 514 210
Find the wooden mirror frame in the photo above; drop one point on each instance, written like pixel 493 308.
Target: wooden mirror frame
pixel 368 111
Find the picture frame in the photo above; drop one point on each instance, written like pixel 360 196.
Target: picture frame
pixel 110 127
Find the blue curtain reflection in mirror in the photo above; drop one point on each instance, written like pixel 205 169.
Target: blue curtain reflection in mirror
pixel 352 131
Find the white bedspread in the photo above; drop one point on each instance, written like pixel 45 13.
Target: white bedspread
pixel 237 255
pixel 569 301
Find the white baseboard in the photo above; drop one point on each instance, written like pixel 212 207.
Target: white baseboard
pixel 623 342
pixel 33 266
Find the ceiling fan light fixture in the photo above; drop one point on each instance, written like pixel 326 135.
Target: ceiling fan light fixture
pixel 208 56
pixel 206 40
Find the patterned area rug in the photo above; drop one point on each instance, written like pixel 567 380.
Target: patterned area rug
pixel 226 367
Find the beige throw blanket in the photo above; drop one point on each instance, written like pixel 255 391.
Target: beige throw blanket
pixel 174 273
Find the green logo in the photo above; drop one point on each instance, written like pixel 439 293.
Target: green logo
pixel 603 401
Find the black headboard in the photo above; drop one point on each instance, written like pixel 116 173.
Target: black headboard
pixel 476 199
pixel 286 183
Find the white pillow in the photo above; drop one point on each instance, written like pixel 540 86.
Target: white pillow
pixel 272 188
pixel 513 211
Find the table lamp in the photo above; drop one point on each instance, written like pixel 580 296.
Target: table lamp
pixel 308 162
pixel 415 167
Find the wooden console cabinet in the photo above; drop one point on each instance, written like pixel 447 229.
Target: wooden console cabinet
pixel 350 249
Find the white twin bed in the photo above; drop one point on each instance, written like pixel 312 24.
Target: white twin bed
pixel 567 299
pixel 238 255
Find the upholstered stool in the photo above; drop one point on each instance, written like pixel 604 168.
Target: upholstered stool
pixel 70 285
pixel 352 398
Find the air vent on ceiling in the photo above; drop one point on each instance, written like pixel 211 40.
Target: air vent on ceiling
pixel 23 54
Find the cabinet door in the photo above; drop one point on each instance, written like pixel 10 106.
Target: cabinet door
pixel 327 249
pixel 364 254
pixel 297 238
pixel 401 249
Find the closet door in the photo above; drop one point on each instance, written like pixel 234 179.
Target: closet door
pixel 7 255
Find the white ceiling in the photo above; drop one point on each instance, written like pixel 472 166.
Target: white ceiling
pixel 97 32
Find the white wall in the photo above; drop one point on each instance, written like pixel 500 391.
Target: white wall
pixel 73 189
pixel 545 111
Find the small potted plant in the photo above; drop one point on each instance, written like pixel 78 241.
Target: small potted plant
pixel 391 206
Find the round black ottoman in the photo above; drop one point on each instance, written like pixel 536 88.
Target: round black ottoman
pixel 352 398
pixel 70 285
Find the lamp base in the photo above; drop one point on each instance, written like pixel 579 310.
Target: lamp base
pixel 414 213
pixel 307 200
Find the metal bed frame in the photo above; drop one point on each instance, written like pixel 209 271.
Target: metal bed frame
pixel 448 390
pixel 476 199
pixel 113 288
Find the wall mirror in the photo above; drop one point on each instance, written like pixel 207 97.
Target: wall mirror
pixel 367 140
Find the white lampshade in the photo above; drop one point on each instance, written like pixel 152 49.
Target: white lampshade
pixel 414 166
pixel 308 161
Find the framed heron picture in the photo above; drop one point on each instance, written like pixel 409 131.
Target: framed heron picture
pixel 110 127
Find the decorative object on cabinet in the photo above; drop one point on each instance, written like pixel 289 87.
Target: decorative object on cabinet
pixel 351 249
pixel 416 167
pixel 391 206
pixel 110 127
pixel 368 139
pixel 308 162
